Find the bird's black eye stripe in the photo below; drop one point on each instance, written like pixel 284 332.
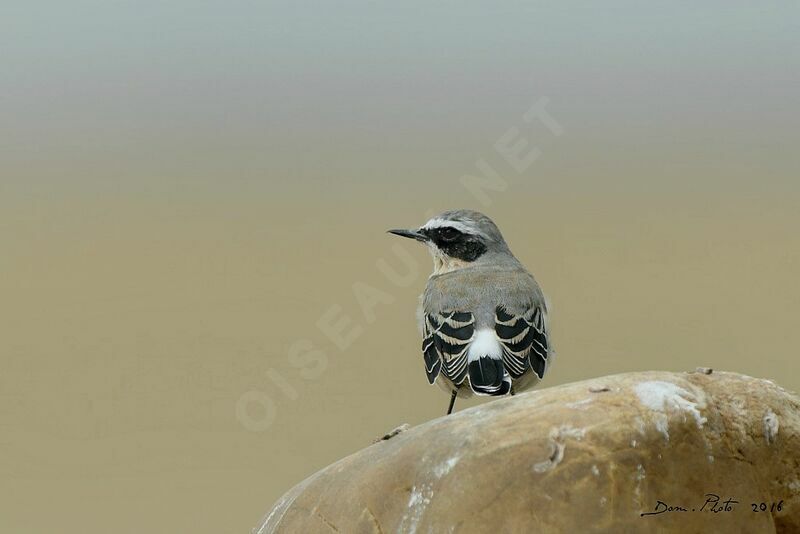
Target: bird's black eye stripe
pixel 448 233
pixel 444 234
pixel 455 243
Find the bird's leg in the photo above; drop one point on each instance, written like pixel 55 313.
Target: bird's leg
pixel 452 402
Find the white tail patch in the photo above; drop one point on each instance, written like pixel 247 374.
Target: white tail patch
pixel 485 343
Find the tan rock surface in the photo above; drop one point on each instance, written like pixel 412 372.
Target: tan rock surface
pixel 585 457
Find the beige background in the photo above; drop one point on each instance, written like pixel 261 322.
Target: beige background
pixel 186 190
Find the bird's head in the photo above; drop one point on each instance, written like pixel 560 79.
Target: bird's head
pixel 458 239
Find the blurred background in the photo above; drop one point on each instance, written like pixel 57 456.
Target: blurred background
pixel 199 305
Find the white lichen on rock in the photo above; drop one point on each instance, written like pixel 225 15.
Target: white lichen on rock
pixel 771 426
pixel 445 467
pixel 662 425
pixel 663 397
pixel 418 501
pixel 638 477
pixel 640 426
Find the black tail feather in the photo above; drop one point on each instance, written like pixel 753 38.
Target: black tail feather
pixel 487 376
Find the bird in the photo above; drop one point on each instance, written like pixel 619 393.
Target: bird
pixel 483 316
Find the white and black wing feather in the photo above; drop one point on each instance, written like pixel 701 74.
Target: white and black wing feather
pixel 524 339
pixel 444 348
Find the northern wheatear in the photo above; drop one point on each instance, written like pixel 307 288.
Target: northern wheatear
pixel 483 316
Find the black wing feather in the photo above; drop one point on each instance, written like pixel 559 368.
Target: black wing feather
pixel 433 364
pixel 524 339
pixel 447 336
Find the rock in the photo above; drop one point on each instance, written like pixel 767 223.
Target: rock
pixel 585 457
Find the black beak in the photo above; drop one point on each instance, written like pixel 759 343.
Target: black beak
pixel 413 234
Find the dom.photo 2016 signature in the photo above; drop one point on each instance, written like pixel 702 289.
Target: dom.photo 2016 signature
pixel 714 504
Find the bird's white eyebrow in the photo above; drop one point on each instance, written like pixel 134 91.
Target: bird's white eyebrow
pixel 442 223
